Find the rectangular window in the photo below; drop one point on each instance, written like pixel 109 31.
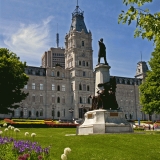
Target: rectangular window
pixel 84 87
pixel 33 86
pixel 84 99
pixel 84 73
pixel 33 98
pixel 82 43
pixel 25 86
pixel 41 99
pixel 71 99
pixel 72 87
pixel 41 86
pixel 25 112
pixel 53 87
pixel 52 74
pixel 53 99
pixel 63 87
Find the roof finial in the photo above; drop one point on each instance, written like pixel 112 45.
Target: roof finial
pixel 141 56
pixel 77 3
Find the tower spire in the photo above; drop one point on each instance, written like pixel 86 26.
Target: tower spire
pixel 57 37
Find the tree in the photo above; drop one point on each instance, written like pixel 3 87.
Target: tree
pixel 147 26
pixel 12 81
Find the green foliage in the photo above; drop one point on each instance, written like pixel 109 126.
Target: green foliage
pixel 12 80
pixel 150 89
pixel 147 26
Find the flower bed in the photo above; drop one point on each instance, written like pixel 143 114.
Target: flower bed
pixel 61 125
pixel 13 149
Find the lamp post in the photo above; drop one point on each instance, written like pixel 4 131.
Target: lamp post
pixel 71 110
pixel 21 110
pixel 83 107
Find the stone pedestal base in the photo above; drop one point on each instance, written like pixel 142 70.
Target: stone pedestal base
pixel 104 121
pixel 102 75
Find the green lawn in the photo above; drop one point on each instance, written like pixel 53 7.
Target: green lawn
pixel 98 147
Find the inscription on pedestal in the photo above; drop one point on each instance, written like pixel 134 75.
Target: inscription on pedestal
pixel 114 114
pixel 90 116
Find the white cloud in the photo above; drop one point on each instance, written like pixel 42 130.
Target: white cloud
pixel 30 41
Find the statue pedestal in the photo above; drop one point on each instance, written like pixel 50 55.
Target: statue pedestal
pixel 104 121
pixel 101 74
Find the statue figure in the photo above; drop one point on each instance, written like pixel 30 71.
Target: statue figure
pixel 106 98
pixel 102 51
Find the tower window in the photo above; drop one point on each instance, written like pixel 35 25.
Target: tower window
pixel 58 100
pixel 58 88
pixel 87 64
pixel 82 43
pixel 87 88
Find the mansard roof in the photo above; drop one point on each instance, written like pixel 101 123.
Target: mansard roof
pixel 78 20
pixel 127 80
pixel 37 71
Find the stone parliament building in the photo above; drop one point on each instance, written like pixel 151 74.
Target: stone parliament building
pixel 60 88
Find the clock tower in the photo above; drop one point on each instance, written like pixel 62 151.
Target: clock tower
pixel 79 62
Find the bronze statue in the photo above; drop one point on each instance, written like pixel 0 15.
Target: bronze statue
pixel 102 51
pixel 106 98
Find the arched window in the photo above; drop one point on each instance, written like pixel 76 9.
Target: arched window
pixel 80 100
pixel 58 100
pixel 58 114
pixel 13 113
pixel 52 74
pixel 87 64
pixel 58 74
pixel 88 88
pixel 29 113
pixel 58 88
pixel 80 86
pixel 88 100
pixel 21 113
pixel 37 114
pixel 41 112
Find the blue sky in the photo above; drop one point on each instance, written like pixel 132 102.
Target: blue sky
pixel 29 27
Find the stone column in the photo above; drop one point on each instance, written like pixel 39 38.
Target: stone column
pixel 102 75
